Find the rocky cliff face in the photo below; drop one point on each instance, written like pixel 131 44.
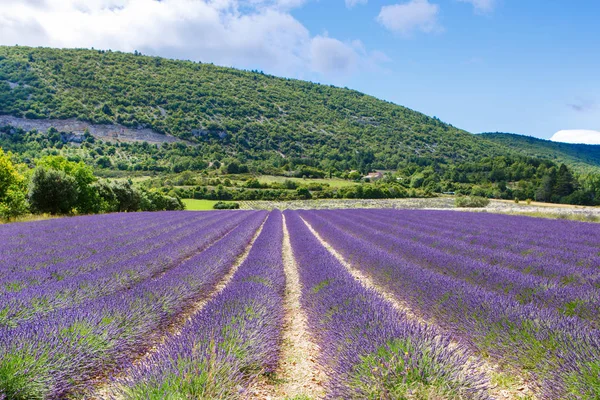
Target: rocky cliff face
pixel 109 133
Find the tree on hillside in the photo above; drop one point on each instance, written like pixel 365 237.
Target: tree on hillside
pixel 565 182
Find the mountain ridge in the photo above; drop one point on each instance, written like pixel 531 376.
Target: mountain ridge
pixel 582 157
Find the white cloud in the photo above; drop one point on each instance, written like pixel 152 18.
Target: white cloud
pixel 481 6
pixel 253 34
pixel 336 60
pixel 332 56
pixel 577 136
pixel 405 18
pixel 352 3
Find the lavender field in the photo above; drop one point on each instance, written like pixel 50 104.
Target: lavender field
pixel 304 304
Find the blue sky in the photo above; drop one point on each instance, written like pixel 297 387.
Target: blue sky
pixel 519 67
pixel 527 67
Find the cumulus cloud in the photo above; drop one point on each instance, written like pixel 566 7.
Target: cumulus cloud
pixel 336 59
pixel 406 18
pixel 331 56
pixel 253 34
pixel 352 3
pixel 577 136
pixel 481 6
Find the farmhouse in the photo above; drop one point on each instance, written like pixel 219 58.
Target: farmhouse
pixel 373 176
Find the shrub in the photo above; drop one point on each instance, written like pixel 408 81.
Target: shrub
pixel 12 189
pixel 226 206
pixel 14 204
pixel 471 202
pixel 52 191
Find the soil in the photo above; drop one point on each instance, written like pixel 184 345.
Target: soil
pixel 299 373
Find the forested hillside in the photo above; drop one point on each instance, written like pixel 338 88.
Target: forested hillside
pixel 229 112
pixel 582 157
pixel 239 125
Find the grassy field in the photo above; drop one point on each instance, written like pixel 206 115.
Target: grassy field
pixel 29 218
pixel 198 205
pixel 334 183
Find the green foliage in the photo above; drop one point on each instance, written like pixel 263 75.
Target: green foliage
pixel 23 375
pixel 583 158
pixel 229 111
pixel 14 204
pixel 126 198
pixel 60 186
pixel 239 122
pixel 226 206
pixel 52 191
pixel 86 199
pixel 13 201
pixel 121 196
pixel 471 202
pixel 354 175
pixel 402 370
pixel 8 174
pixel 303 193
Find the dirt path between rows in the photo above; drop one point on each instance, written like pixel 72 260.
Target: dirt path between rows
pixel 522 390
pixel 108 390
pixel 298 375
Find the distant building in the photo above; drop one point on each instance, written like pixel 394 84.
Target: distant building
pixel 373 176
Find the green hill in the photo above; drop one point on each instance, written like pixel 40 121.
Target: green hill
pixel 582 157
pixel 208 131
pixel 229 112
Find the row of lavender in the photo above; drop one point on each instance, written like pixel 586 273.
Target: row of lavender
pixel 228 344
pixel 557 249
pixel 489 298
pixel 103 323
pixel 73 281
pixel 369 349
pixel 540 282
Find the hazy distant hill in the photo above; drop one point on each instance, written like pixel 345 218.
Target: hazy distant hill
pixel 582 157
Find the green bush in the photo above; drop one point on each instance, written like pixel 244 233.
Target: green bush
pixel 226 206
pixel 52 191
pixel 13 202
pixel 471 202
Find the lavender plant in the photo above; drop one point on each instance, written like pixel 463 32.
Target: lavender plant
pixel 526 336
pixel 230 342
pixel 65 351
pixel 369 349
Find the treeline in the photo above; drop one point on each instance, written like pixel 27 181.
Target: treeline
pixel 507 177
pixel 59 186
pixel 246 187
pixel 501 177
pixel 362 191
